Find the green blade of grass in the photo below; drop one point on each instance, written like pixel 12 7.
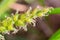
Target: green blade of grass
pixel 56 36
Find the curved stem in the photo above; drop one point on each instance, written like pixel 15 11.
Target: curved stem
pixel 55 11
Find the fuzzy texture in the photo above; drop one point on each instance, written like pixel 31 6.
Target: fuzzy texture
pixel 21 20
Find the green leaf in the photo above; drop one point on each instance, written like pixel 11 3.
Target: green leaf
pixel 56 36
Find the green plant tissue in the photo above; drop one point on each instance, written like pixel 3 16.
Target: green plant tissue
pixel 56 36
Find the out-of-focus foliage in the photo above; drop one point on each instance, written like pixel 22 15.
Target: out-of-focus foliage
pixel 29 1
pixel 56 36
pixel 41 2
pixel 4 6
pixel 7 13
